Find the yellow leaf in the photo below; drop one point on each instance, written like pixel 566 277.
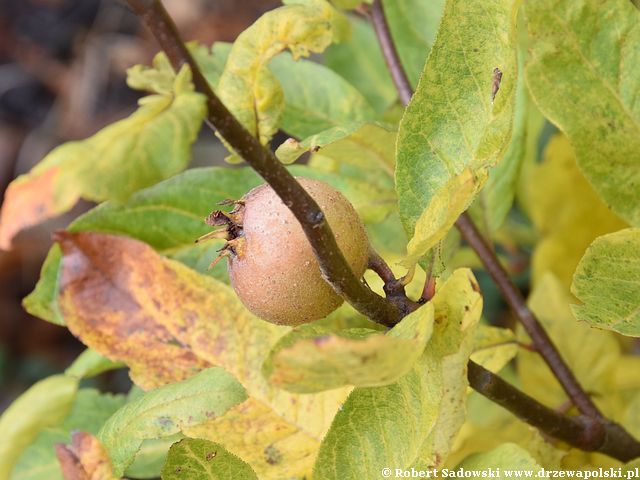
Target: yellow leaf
pixel 247 87
pixel 442 212
pixel 566 211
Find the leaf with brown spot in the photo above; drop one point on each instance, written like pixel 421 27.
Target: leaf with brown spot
pixel 114 295
pixel 182 314
pixel 84 459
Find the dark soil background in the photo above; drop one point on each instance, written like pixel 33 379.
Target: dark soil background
pixel 62 77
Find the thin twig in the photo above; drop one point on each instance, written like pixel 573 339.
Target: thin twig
pixel 544 345
pixel 398 74
pixel 393 287
pixel 470 233
pixel 582 432
pixel 333 265
pixel 617 442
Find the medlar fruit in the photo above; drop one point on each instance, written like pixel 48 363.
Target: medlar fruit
pixel 271 264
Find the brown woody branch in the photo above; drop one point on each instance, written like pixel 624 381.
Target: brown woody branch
pixel 577 431
pixel 333 265
pixel 583 432
pixel 472 236
pixel 589 431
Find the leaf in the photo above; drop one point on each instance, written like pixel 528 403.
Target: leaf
pixel 410 423
pixel 89 364
pixel 168 410
pixel 362 166
pixel 607 282
pixel 316 98
pixel 89 412
pixel 45 404
pixel 494 347
pixel 109 287
pixel 592 367
pixel 148 146
pixel 583 75
pixel 453 131
pixel 247 87
pixel 312 359
pixel 413 25
pixel 359 60
pixel 437 219
pixel 151 457
pixel 495 199
pixel 204 460
pixel 291 149
pixel 508 456
pixel 173 322
pixel 160 77
pixel 274 446
pixel 84 459
pixel 565 210
pixel 349 3
pixel 170 216
pixel 42 302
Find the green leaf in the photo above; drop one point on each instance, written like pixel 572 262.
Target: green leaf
pixel 43 405
pixel 89 412
pixel 584 76
pixel 508 456
pixel 410 423
pixel 359 61
pixel 494 347
pixel 167 410
pixel 453 131
pixel 360 166
pixel 316 98
pixel 204 460
pixel 42 302
pixel 312 359
pixel 160 77
pixel 413 25
pixel 607 282
pixel 89 364
pixel 247 87
pixel 151 457
pixel 495 199
pixel 148 146
pixel 291 149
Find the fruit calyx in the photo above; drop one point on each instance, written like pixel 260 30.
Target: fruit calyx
pixel 231 230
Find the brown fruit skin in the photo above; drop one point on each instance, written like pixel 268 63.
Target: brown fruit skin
pixel 275 272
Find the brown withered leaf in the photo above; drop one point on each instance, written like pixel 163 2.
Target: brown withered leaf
pixel 123 288
pixel 113 296
pixel 84 459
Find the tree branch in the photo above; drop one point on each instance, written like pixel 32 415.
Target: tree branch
pixel 544 345
pixel 393 287
pixel 391 57
pixel 472 236
pixel 333 265
pixel 582 432
pixel 615 441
